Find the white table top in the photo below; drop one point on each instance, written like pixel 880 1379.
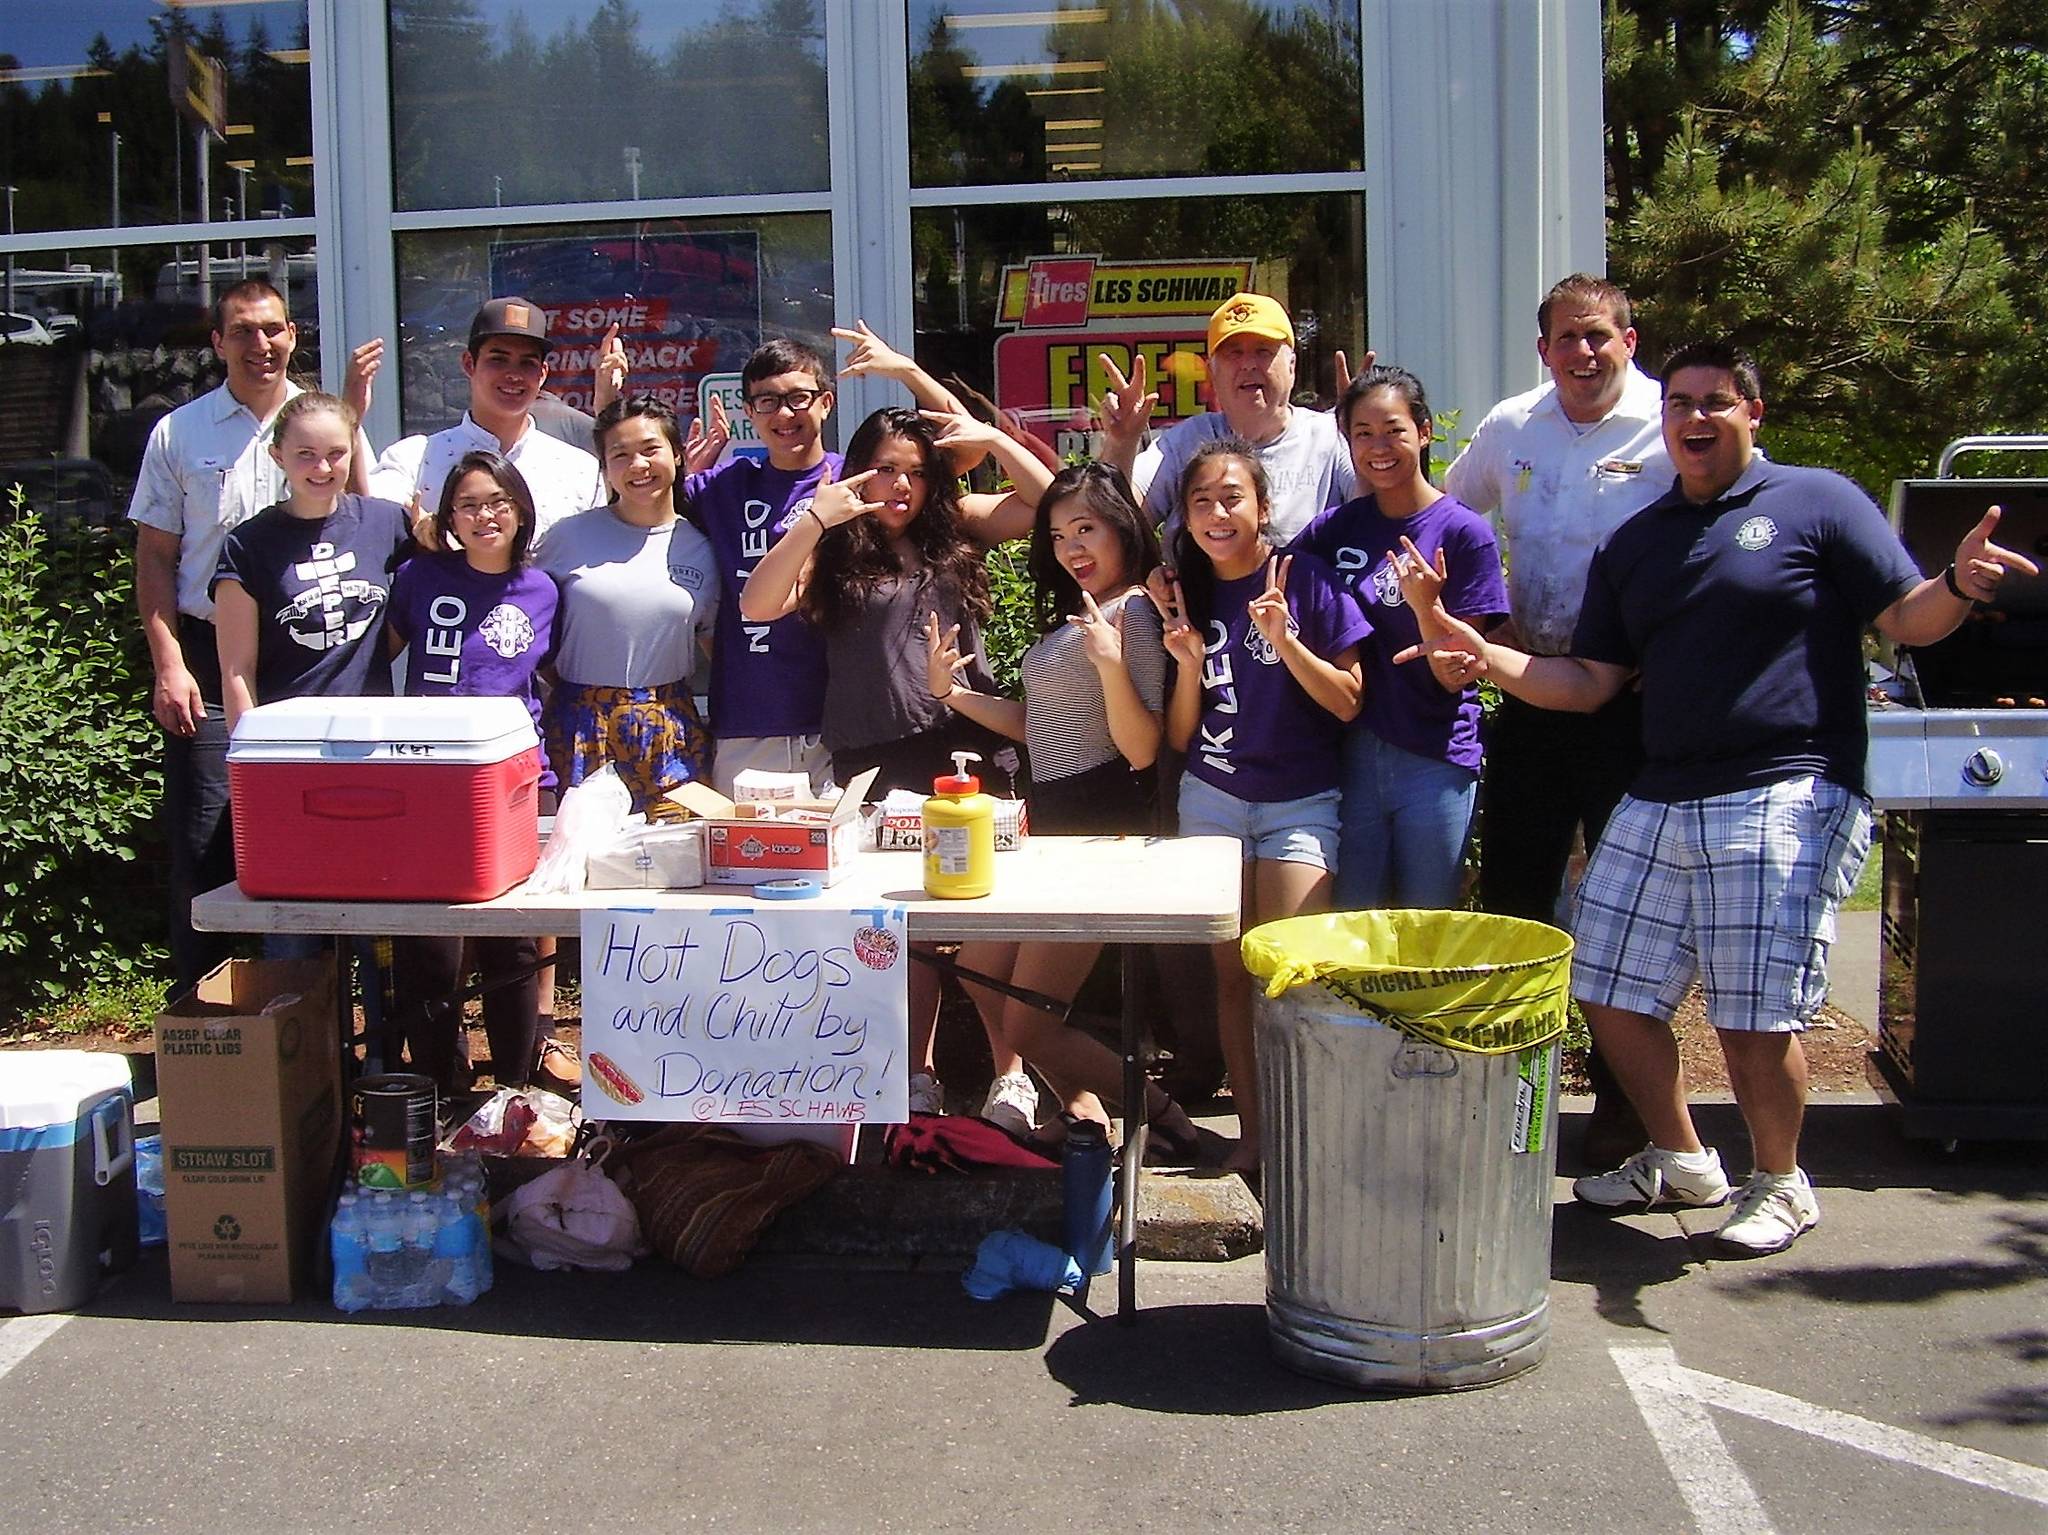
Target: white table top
pixel 1116 889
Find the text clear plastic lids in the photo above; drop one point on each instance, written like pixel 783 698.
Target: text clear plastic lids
pixel 47 1087
pixel 464 731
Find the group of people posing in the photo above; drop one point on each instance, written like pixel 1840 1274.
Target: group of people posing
pixel 1307 638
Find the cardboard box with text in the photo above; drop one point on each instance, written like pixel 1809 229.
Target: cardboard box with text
pixel 248 1068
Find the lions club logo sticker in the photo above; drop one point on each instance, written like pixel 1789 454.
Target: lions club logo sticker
pixel 1756 533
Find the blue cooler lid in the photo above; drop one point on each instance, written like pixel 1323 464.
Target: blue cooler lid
pixel 40 1088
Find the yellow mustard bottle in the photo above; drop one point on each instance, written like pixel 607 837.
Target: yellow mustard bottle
pixel 959 835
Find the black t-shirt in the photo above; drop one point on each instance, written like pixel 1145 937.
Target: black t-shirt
pixel 1746 616
pixel 320 588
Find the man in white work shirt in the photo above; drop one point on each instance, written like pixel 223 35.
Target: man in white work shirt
pixel 1251 383
pixel 1560 468
pixel 507 364
pixel 206 468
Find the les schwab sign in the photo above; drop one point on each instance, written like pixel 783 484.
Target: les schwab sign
pixel 1069 311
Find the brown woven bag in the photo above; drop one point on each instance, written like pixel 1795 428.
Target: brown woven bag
pixel 704 1194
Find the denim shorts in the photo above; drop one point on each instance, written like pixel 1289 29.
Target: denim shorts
pixel 1280 831
pixel 1740 890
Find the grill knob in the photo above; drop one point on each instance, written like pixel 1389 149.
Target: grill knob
pixel 1983 767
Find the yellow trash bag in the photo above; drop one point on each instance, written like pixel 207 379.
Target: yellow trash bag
pixel 1461 979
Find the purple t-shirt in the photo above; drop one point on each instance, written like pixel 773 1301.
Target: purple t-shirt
pixel 1261 737
pixel 766 679
pixel 1404 705
pixel 472 634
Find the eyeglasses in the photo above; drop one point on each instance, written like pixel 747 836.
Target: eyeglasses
pixel 497 506
pixel 794 401
pixel 1682 405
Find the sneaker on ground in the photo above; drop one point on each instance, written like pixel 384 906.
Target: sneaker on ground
pixel 1653 1177
pixel 1012 1103
pixel 926 1095
pixel 1771 1212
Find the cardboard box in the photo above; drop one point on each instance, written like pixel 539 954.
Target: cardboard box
pixel 248 1070
pixel 902 830
pixel 758 784
pixel 789 839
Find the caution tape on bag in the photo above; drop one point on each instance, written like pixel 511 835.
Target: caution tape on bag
pixel 1467 981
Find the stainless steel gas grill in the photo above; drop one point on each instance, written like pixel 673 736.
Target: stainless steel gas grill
pixel 1959 761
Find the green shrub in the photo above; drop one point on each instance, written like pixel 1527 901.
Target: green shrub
pixel 79 778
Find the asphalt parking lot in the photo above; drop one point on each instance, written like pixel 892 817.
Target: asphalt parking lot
pixel 1890 1372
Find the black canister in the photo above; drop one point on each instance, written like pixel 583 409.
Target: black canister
pixel 393 1120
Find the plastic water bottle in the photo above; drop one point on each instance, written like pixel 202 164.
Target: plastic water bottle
pixel 454 1266
pixel 1084 1196
pixel 387 1250
pixel 351 1256
pixel 421 1219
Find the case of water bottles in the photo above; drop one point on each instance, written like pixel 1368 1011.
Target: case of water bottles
pixel 401 1250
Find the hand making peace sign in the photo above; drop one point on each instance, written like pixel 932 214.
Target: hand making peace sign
pixel 1269 609
pixel 1127 406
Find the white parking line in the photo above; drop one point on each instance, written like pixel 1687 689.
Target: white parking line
pixel 23 1335
pixel 1716 1492
pixel 1660 1384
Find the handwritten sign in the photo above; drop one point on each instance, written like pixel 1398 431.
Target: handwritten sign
pixel 750 1015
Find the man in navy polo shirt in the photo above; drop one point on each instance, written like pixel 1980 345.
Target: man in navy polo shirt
pixel 1741 596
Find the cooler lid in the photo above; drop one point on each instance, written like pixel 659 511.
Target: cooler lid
pixel 48 1087
pixel 446 729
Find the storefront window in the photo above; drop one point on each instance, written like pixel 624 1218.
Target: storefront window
pixel 692 299
pixel 118 340
pixel 500 102
pixel 1017 303
pixel 1025 91
pixel 102 110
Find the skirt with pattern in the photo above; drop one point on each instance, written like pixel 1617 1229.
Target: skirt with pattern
pixel 652 736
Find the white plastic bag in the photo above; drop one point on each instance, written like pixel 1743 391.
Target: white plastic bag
pixel 573 1216
pixel 591 817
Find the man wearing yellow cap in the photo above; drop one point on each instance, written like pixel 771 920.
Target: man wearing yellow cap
pixel 1251 379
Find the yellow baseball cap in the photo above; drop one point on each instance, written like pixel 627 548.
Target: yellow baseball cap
pixel 1250 314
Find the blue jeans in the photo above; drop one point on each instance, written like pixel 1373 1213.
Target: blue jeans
pixel 1401 839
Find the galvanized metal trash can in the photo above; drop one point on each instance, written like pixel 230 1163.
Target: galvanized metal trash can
pixel 1408 1181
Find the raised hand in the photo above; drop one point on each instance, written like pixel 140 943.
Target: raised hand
pixel 364 363
pixel 1127 406
pixel 1102 638
pixel 871 354
pixel 1422 583
pixel 956 430
pixel 1269 609
pixel 1981 564
pixel 1456 657
pixel 943 661
pixel 424 532
pixel 701 449
pixel 1183 641
pixel 840 501
pixel 608 367
pixel 1344 369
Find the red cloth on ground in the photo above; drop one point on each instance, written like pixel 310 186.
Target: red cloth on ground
pixel 935 1143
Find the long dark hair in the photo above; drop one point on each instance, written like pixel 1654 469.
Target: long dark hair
pixel 1106 494
pixel 857 557
pixel 1407 389
pixel 508 478
pixel 1190 561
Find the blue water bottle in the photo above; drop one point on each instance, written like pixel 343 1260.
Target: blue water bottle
pixel 1085 1196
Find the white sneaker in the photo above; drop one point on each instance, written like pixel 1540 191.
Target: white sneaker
pixel 926 1095
pixel 1771 1213
pixel 1012 1103
pixel 1654 1177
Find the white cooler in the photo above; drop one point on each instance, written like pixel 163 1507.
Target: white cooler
pixel 67 1176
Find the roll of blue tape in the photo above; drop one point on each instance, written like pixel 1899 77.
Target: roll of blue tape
pixel 787 889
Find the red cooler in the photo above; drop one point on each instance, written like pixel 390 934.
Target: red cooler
pixel 384 799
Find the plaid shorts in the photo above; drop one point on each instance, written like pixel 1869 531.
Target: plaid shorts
pixel 1740 890
pixel 652 735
